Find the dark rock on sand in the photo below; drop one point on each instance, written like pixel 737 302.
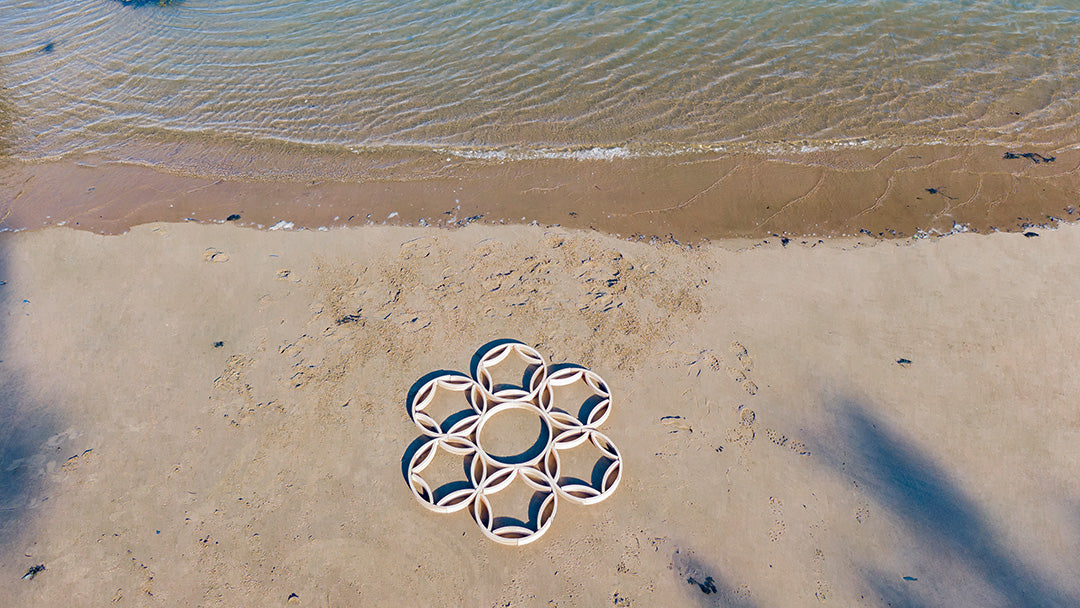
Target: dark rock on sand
pixel 33 571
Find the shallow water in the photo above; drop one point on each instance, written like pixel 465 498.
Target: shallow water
pixel 216 86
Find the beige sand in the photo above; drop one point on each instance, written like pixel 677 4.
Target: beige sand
pixel 776 453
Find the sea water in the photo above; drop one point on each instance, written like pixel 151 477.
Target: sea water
pixel 193 83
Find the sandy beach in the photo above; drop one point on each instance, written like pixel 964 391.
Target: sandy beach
pixel 211 415
pixel 819 261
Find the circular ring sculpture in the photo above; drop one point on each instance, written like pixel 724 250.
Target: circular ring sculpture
pixel 539 467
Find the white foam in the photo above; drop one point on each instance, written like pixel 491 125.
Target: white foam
pixel 625 152
pixel 510 154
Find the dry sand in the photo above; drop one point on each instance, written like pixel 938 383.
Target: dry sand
pixel 776 453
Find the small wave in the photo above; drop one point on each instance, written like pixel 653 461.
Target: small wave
pixel 614 153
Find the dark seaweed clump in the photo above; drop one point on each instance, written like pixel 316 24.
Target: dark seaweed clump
pixel 1034 157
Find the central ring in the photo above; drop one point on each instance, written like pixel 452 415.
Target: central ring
pixel 513 421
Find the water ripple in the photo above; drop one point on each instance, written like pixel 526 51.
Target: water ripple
pixel 89 75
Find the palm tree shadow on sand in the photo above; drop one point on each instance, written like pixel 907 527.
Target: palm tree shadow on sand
pixel 943 520
pixel 25 429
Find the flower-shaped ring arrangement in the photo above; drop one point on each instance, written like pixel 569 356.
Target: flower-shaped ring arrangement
pixel 540 467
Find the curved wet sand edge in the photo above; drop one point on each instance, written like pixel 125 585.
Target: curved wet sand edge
pixel 884 193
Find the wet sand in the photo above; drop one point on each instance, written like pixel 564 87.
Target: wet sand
pixel 886 192
pixel 214 415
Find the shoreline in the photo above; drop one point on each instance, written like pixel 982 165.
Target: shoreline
pixel 878 192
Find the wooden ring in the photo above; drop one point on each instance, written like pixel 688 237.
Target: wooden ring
pixel 455 382
pixel 536 372
pixel 538 467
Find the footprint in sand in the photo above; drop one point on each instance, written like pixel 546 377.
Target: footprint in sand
pixel 417 249
pixel 631 556
pixel 676 424
pixel 485 248
pixel 776 531
pixel 743 433
pixel 822 590
pixel 862 512
pixel 73 462
pixel 745 364
pixel 554 241
pixel 743 355
pixel 784 441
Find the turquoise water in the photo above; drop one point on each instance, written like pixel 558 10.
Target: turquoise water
pixel 504 78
